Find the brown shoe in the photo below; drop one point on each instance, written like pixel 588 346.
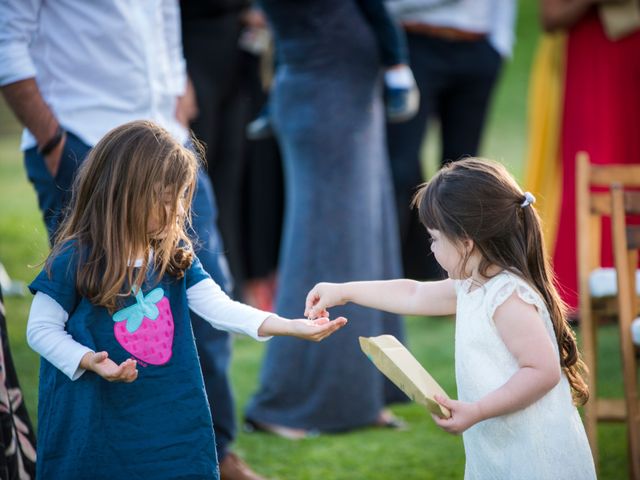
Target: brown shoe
pixel 232 467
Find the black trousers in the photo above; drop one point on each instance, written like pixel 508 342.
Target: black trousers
pixel 215 65
pixel 456 80
pixel 246 176
pixel 263 207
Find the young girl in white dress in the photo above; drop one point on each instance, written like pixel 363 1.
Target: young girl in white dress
pixel 518 369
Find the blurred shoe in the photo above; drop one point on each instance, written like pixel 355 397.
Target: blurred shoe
pixel 251 426
pixel 232 467
pixel 260 127
pixel 386 419
pixel 401 94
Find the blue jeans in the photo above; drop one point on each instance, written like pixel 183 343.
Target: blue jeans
pixel 214 346
pixel 54 193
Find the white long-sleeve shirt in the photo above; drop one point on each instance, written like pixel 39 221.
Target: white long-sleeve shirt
pixel 98 64
pixel 496 18
pixel 46 332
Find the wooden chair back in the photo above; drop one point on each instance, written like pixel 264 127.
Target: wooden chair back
pixel 626 245
pixel 591 207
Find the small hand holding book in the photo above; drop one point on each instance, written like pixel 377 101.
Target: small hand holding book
pixel 396 362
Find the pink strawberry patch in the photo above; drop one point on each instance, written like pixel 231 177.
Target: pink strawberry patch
pixel 145 329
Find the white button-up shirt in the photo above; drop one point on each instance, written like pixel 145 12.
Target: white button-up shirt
pixel 496 18
pixel 98 63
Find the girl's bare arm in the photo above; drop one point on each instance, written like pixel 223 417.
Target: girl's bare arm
pixel 405 297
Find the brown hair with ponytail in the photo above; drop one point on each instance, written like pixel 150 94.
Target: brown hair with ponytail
pixel 478 199
pixel 136 171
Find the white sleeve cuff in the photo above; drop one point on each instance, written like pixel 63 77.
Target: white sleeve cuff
pixel 15 65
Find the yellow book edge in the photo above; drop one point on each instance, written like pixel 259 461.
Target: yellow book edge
pixel 398 365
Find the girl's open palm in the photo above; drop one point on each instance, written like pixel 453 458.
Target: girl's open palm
pixel 101 364
pixel 317 329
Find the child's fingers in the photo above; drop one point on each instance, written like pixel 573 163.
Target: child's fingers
pixel 332 326
pixel 314 305
pixel 126 371
pixel 444 401
pixel 320 321
pixel 338 323
pixel 310 301
pixel 444 423
pixel 132 377
pixel 436 419
pixel 131 372
pixel 341 321
pixel 313 313
pixel 99 357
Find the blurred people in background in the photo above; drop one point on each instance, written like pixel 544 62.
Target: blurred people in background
pixel 401 94
pixel 591 109
pixel 223 45
pixel 328 117
pixel 71 72
pixel 211 32
pixel 220 70
pixel 456 49
pixel 264 183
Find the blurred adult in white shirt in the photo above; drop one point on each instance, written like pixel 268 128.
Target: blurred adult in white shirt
pixel 456 49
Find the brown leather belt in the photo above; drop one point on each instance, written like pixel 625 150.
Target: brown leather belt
pixel 448 33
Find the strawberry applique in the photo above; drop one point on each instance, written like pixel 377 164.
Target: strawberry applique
pixel 145 329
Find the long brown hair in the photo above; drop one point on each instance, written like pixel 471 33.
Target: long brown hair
pixel 137 170
pixel 478 199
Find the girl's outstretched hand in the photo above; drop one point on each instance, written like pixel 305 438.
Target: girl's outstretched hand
pixel 322 296
pixel 101 364
pixel 463 415
pixel 314 330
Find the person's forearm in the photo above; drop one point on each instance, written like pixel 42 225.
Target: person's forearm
pixel 525 387
pixel 395 296
pixel 273 326
pixel 25 100
pixel 557 14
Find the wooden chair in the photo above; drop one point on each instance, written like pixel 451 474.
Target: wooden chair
pixel 590 208
pixel 626 245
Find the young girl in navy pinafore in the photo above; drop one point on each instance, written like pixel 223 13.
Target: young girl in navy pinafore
pixel 90 428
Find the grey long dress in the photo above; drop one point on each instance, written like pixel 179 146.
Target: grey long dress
pixel 340 219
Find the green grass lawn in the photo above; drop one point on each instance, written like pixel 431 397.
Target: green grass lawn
pixel 421 452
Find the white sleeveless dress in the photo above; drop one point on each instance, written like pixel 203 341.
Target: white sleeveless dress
pixel 543 441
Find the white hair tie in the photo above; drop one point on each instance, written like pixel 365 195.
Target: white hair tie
pixel 528 199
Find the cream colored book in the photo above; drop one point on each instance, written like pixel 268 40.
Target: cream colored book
pixel 396 362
